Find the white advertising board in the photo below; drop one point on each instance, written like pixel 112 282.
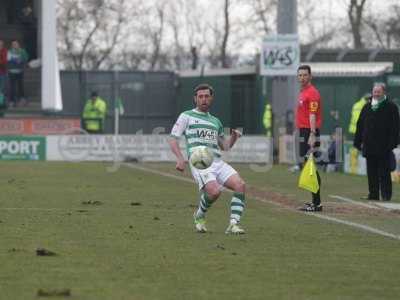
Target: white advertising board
pixel 288 149
pixel 144 148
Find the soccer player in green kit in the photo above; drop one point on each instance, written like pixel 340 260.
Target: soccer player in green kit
pixel 200 128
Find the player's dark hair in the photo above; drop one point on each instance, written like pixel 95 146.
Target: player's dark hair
pixel 204 86
pixel 305 67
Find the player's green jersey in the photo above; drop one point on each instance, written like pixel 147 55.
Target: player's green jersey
pixel 199 129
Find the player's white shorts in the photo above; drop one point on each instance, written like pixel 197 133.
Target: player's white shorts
pixel 219 171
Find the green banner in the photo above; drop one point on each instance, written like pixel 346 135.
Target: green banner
pixel 22 148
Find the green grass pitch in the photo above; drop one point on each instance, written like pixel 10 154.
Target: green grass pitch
pixel 129 234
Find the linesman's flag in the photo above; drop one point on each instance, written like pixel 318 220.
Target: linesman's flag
pixel 308 177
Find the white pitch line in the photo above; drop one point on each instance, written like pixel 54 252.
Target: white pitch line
pixel 353 201
pixel 159 173
pixel 43 209
pixel 357 225
pixel 317 215
pixel 30 208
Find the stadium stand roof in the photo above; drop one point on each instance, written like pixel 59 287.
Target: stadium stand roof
pixel 319 69
pixel 350 69
pixel 327 63
pixel 349 55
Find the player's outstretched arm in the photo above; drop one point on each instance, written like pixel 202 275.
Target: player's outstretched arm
pixel 180 160
pixel 225 144
pixel 235 135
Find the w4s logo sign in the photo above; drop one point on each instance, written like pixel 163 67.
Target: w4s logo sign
pixel 280 55
pixel 279 58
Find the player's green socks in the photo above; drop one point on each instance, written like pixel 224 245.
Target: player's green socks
pixel 204 205
pixel 237 206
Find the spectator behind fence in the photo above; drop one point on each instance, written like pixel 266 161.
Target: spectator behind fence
pixel 17 58
pixel 3 74
pixel 333 162
pixel 376 136
pixel 267 119
pixel 355 112
pixel 28 20
pixel 26 16
pixel 94 114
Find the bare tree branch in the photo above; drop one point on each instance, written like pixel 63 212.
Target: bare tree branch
pixel 90 30
pixel 115 34
pixel 355 13
pixel 156 38
pixel 224 61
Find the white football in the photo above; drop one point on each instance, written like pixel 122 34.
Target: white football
pixel 201 157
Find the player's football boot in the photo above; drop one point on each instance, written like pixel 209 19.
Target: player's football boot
pixel 234 228
pixel 200 224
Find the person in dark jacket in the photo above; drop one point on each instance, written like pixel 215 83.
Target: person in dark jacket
pixel 3 73
pixel 17 58
pixel 376 136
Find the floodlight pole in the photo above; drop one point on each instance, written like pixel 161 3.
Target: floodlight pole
pixel 115 87
pixel 116 96
pixel 285 87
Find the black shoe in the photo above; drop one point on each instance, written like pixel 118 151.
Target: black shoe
pixel 310 207
pixel 385 199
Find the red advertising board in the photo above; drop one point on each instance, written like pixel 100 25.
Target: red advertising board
pixel 11 127
pixel 38 126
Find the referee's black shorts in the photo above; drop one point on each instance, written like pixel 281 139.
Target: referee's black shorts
pixel 304 147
